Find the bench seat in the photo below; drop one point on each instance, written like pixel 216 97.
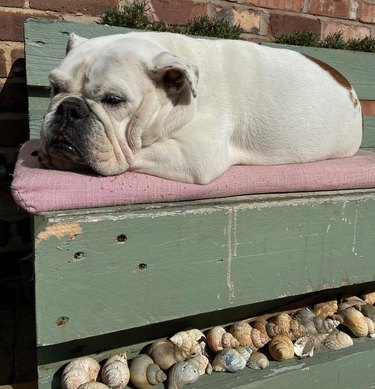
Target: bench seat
pixel 39 190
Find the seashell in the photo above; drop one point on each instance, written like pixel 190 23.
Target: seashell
pixel 337 340
pixel 248 336
pixel 191 342
pixel 93 385
pixel 324 325
pixel 144 373
pixel 283 324
pixel 79 371
pixel 351 301
pixel 354 320
pixel 315 324
pixel 305 316
pixel 369 298
pixel 368 311
pixel 202 364
pixel 371 327
pixel 165 354
pixel 115 372
pixel 242 332
pixel 328 308
pixel 260 325
pixel 231 359
pixel 218 338
pixel 281 348
pixel 304 346
pixel 182 373
pixel 258 361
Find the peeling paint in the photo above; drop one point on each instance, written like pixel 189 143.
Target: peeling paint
pixel 230 227
pixel 275 372
pixel 68 230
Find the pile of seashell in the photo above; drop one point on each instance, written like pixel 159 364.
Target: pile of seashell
pixel 191 353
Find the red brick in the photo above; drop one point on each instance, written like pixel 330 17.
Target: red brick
pixel 13 131
pixel 288 5
pixel 3 65
pixel 368 12
pixel 12 3
pixel 348 31
pixel 343 9
pixel 18 68
pixel 92 7
pixel 13 97
pixel 177 11
pixel 287 24
pixel 12 24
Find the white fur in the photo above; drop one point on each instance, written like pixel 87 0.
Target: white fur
pixel 255 105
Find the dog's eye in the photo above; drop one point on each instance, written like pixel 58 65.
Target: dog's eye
pixel 112 100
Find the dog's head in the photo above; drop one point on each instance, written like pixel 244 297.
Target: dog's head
pixel 112 95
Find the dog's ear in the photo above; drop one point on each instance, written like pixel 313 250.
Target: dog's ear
pixel 174 73
pixel 74 40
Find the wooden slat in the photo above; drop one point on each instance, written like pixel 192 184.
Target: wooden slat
pixel 179 262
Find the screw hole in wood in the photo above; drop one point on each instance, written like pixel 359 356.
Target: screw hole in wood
pixel 121 238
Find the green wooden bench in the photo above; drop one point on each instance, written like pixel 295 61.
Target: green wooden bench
pixel 120 277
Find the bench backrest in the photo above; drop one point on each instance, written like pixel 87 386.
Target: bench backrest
pixel 46 41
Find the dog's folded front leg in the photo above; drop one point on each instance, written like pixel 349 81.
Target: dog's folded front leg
pixel 181 160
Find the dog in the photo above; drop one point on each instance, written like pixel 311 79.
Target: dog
pixel 187 109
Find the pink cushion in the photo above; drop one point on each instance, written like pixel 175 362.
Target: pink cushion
pixel 38 190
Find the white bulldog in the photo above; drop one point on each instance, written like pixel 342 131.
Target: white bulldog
pixel 187 109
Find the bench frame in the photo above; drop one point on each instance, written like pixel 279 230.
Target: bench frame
pixel 117 278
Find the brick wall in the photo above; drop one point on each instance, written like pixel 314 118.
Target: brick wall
pixel 259 18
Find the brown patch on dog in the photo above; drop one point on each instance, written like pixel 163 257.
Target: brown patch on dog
pixel 332 71
pixel 337 76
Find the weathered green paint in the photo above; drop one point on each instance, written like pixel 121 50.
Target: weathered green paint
pixel 189 260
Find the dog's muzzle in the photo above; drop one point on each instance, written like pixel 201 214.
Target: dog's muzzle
pixel 67 132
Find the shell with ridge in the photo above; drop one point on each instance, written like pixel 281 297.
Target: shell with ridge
pixel 258 361
pixel 93 385
pixel 284 324
pixel 165 354
pixel 354 320
pixel 218 338
pixel 368 311
pixel 281 348
pixel 325 309
pixel 371 327
pixel 260 325
pixel 351 301
pixel 338 340
pixel 315 324
pixel 79 371
pixel 144 373
pixel 248 336
pixel 191 342
pixel 115 372
pixel 182 373
pixel 231 359
pixel 369 298
pixel 304 346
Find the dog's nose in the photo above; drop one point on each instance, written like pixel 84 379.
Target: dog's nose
pixel 73 108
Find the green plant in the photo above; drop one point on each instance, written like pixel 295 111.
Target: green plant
pixel 135 16
pixel 333 41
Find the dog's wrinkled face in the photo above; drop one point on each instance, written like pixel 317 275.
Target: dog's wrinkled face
pixel 110 97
